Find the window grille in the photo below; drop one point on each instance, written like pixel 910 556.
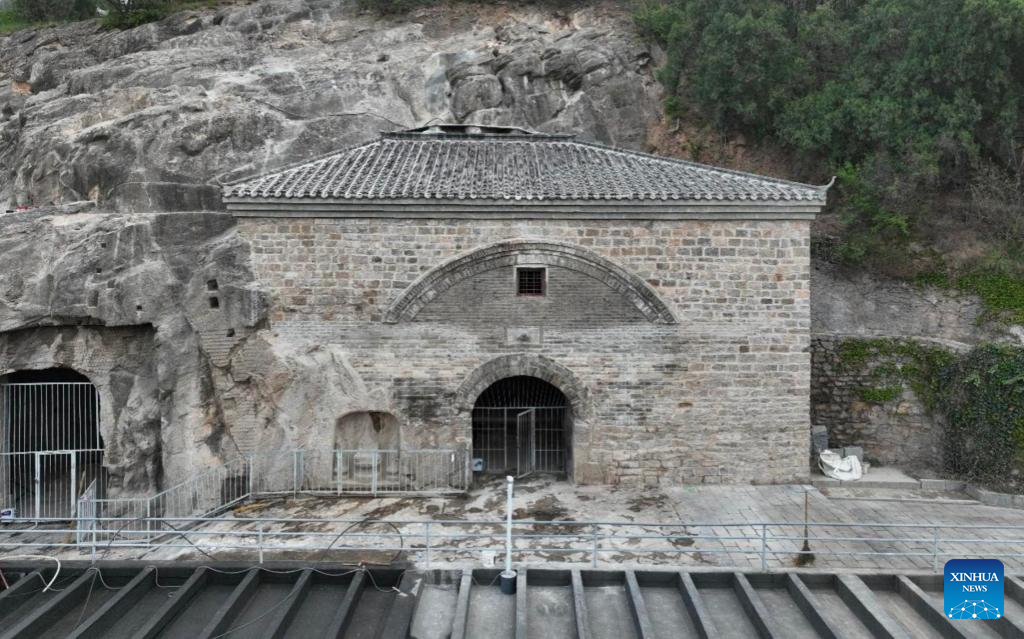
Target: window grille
pixel 530 281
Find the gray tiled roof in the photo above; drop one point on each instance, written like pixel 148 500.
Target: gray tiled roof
pixel 438 163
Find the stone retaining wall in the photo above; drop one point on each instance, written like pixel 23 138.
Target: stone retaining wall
pixel 899 431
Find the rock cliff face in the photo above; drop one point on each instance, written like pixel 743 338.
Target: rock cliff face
pixel 126 300
pixel 152 119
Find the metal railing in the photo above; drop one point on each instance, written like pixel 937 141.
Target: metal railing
pixel 361 472
pixel 765 546
pixel 204 495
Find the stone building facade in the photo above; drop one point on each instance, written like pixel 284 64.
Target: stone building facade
pixel 667 302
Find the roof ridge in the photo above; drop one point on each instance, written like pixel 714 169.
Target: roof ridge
pixel 705 167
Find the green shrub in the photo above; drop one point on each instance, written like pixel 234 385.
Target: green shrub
pixel 390 7
pixel 880 395
pixel 53 10
pixel 1002 293
pixel 983 402
pixel 11 21
pixel 127 14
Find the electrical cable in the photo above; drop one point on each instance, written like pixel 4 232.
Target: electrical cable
pixel 322 557
pixel 270 610
pixel 88 596
pixel 47 558
pixel 190 542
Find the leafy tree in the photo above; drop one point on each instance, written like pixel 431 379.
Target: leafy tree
pixel 935 84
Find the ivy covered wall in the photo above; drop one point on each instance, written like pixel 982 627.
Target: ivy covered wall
pixel 924 407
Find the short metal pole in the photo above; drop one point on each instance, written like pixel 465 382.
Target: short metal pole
pixel 295 473
pixel 508 576
pixel 259 542
pixel 248 462
pixel 764 547
pixel 935 549
pixel 593 549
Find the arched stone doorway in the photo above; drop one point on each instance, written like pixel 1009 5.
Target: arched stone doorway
pixel 51 449
pixel 522 425
pixel 367 448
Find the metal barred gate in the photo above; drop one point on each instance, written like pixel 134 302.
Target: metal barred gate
pixel 50 447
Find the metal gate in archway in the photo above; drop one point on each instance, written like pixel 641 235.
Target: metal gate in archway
pixel 51 450
pixel 522 425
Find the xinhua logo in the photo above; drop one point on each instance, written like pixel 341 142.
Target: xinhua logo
pixel 974 589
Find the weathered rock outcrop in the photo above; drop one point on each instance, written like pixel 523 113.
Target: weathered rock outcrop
pixel 154 118
pixel 127 301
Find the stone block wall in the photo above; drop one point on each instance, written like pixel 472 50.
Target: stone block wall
pixel 898 431
pixel 711 388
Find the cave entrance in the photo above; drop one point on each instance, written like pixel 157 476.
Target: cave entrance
pixel 51 451
pixel 522 425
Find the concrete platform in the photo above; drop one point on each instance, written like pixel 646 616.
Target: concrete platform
pixel 878 477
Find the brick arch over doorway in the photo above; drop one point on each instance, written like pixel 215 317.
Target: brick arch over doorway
pixel 536 253
pixel 526 366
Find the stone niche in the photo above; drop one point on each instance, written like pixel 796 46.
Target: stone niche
pixel 120 363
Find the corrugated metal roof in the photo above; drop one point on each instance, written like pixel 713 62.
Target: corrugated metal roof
pixel 492 163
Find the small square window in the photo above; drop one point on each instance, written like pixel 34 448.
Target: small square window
pixel 531 281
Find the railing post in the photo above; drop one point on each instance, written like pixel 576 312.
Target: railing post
pixel 764 547
pixel 373 472
pixel 93 551
pixel 339 458
pixel 259 542
pixel 252 481
pixel 428 545
pixel 149 522
pixel 295 472
pixel 38 484
pixel 593 548
pixel 935 549
pixel 74 481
